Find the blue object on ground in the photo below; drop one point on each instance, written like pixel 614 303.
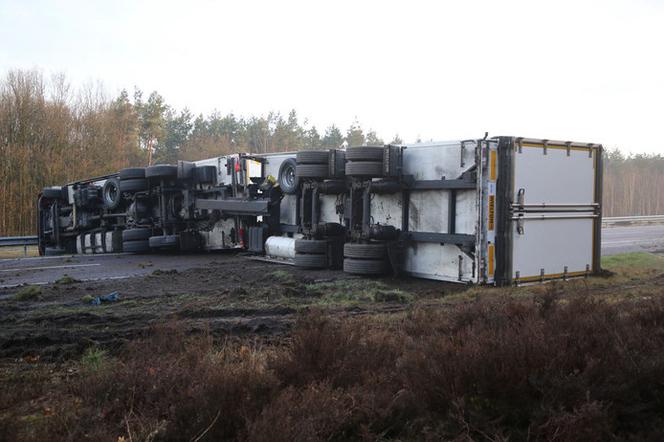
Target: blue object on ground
pixel 111 297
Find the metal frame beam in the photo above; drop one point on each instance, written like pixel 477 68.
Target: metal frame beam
pixel 442 238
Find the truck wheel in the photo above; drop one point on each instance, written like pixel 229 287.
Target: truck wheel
pixel 161 171
pixel 288 180
pixel 365 266
pixel 365 153
pixel 311 246
pixel 365 251
pixel 141 233
pixel 139 246
pixel 54 193
pixel 367 169
pixel 132 173
pixel 164 242
pixel 110 193
pixel 133 185
pixel 320 171
pixel 311 261
pixel 313 157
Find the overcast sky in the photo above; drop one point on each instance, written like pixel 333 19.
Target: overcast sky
pixel 580 70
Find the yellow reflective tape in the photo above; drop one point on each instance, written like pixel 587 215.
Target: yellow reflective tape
pixel 492 165
pixel 551 276
pixel 492 211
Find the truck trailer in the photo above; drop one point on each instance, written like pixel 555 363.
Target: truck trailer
pixel 501 211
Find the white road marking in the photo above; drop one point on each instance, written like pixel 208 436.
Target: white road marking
pixel 628 241
pixel 19 269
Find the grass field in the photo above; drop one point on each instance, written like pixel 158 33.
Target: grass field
pixel 18 252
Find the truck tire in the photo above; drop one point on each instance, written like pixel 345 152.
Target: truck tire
pixel 139 246
pixel 320 171
pixel 313 157
pixel 131 173
pixel 365 251
pixel 365 153
pixel 161 171
pixel 311 261
pixel 54 193
pixel 164 242
pixel 133 185
pixel 311 246
pixel 367 169
pixel 365 266
pixel 141 233
pixel 111 194
pixel 288 180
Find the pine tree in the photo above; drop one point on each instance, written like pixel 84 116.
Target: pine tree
pixel 355 135
pixel 373 140
pixel 333 137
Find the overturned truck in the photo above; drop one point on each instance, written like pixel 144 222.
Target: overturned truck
pixel 503 210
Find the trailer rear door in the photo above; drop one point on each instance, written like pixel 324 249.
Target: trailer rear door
pixel 555 209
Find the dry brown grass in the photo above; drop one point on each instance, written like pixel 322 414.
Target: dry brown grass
pixel 18 252
pixel 494 369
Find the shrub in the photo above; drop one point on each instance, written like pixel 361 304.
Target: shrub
pixel 550 368
pixel 66 280
pixel 28 293
pixel 93 359
pixel 168 387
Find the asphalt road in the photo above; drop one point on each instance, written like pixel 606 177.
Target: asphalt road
pixel 47 269
pixel 632 239
pixel 44 270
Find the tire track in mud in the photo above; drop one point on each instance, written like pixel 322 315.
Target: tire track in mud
pixel 231 297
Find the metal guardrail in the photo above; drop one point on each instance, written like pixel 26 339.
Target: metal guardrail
pixel 627 220
pixel 13 241
pixel 19 241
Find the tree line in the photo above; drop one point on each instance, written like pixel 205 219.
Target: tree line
pixel 53 134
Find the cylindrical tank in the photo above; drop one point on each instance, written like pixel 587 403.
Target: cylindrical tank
pixel 280 247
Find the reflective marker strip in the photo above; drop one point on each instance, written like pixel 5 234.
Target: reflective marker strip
pixel 492 165
pixel 492 211
pixel 550 276
pixel 491 258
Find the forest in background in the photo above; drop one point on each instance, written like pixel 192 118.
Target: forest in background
pixel 52 133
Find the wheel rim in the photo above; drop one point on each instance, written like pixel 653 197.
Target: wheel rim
pixel 290 176
pixel 111 193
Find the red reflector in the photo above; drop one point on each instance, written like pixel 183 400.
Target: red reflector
pixel 237 167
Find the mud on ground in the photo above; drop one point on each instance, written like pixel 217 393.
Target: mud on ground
pixel 237 297
pixel 232 296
